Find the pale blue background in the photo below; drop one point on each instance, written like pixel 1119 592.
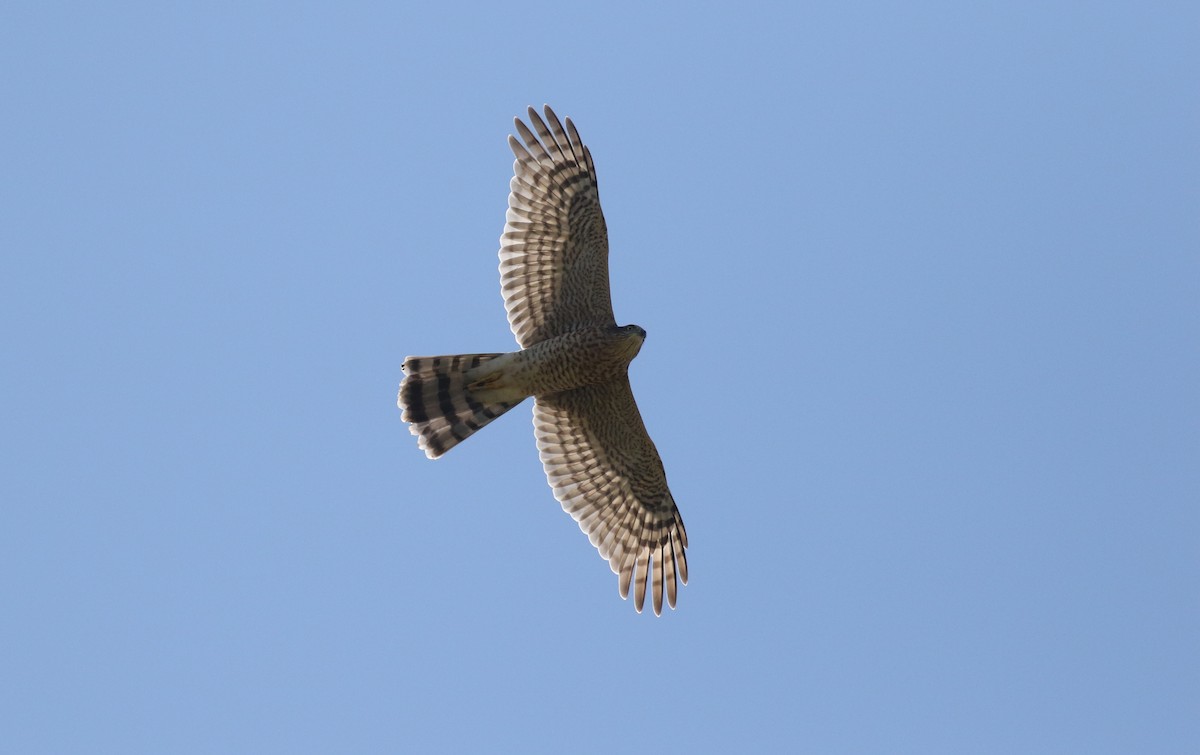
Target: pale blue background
pixel 922 284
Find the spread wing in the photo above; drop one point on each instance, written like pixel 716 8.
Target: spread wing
pixel 554 250
pixel 607 474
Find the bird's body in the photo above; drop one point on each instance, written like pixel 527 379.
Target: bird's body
pixel 574 361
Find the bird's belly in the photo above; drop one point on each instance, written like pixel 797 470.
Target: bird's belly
pixel 572 360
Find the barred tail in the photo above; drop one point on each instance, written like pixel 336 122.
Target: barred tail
pixel 435 399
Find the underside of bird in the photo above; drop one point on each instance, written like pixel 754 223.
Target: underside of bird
pixel 574 359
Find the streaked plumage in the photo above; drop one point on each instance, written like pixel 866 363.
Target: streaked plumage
pixel 599 460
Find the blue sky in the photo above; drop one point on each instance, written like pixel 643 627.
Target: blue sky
pixel 921 286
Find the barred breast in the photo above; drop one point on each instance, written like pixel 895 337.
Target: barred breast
pixel 573 360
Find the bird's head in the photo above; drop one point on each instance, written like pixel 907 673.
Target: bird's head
pixel 632 337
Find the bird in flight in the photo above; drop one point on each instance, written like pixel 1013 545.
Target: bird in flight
pixel 574 361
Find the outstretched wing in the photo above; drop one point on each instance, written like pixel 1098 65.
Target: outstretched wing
pixel 554 250
pixel 606 473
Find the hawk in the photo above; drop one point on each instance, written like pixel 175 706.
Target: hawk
pixel 574 361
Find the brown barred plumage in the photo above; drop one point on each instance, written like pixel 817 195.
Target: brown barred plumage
pixel 598 458
pixel 435 399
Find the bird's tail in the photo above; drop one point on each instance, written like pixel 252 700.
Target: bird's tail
pixel 434 397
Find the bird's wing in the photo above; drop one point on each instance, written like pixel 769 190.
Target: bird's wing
pixel 607 474
pixel 554 250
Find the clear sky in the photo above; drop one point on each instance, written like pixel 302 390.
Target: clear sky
pixel 922 288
